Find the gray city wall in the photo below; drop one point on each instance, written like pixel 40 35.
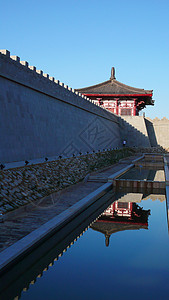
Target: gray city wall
pixel 41 117
pixel 158 131
pixel 134 131
pixel 143 132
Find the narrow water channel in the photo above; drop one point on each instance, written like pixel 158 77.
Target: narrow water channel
pixel 144 173
pixel 123 255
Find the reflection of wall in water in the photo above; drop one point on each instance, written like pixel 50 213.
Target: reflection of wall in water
pixel 138 197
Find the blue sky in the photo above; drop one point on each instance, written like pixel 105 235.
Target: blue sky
pixel 78 42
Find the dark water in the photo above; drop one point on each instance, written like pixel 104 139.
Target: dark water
pixel 135 265
pixel 141 173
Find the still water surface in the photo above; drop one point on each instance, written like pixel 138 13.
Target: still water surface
pixel 143 173
pixel 133 265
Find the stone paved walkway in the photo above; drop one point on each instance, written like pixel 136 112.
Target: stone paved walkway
pixel 26 219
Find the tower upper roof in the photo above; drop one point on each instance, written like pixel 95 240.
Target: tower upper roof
pixel 114 87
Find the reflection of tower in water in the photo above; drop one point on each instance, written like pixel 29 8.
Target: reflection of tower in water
pixel 120 216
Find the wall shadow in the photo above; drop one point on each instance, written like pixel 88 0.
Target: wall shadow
pixel 151 133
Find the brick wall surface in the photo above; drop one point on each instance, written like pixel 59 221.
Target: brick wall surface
pixel 42 117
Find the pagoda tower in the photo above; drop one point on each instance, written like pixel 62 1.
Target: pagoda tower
pixel 117 97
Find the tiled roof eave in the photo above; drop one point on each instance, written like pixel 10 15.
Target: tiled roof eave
pixel 112 86
pixel 133 89
pixel 118 95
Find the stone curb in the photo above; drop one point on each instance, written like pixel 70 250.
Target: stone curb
pixel 112 177
pixel 167 201
pixel 166 169
pixel 167 196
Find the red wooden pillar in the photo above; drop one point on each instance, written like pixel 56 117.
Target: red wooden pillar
pixel 117 106
pixel 99 100
pixel 134 112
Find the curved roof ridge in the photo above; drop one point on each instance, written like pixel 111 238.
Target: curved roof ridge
pixel 93 86
pixel 130 87
pixel 113 86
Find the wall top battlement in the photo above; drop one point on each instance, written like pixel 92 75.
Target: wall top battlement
pixel 164 119
pixel 14 69
pixel 40 72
